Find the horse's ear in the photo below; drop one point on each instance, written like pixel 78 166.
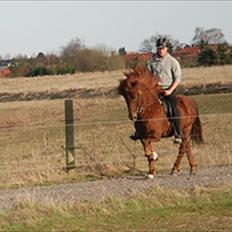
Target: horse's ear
pixel 128 73
pixel 134 83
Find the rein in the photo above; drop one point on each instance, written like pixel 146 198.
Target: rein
pixel 141 108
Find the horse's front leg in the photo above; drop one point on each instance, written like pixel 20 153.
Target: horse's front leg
pixel 151 157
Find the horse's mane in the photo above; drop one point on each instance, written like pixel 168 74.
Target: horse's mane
pixel 140 75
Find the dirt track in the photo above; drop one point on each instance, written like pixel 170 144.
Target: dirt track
pixel 98 191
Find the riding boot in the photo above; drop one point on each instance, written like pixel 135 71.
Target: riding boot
pixel 178 139
pixel 177 129
pixel 135 136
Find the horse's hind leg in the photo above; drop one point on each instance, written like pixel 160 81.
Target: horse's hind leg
pixel 191 159
pixel 184 148
pixel 176 166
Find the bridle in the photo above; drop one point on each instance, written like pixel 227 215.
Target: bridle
pixel 141 108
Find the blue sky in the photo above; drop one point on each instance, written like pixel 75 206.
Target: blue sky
pixel 29 27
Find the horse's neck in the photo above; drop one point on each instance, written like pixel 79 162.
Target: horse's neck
pixel 150 100
pixel 147 95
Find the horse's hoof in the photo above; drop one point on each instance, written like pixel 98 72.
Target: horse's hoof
pixel 150 177
pixel 175 171
pixel 193 171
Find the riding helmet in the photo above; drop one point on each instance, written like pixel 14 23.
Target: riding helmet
pixel 162 42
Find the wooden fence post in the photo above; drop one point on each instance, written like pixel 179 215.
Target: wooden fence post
pixel 69 135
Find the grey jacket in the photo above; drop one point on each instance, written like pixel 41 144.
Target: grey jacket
pixel 167 69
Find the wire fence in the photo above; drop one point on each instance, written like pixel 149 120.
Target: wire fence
pixel 35 153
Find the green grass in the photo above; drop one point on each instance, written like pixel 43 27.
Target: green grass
pixel 214 103
pixel 158 209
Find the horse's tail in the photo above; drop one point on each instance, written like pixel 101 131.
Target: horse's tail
pixel 196 132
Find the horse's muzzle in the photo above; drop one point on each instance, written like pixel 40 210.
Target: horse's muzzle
pixel 133 117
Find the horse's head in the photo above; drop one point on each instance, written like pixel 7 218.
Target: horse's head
pixel 139 90
pixel 133 96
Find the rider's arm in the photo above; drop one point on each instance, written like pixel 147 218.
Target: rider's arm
pixel 176 74
pixel 172 87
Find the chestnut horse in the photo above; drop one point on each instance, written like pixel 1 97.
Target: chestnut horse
pixel 141 92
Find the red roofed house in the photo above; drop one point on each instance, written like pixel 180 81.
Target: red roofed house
pixel 4 69
pixel 187 55
pixel 132 58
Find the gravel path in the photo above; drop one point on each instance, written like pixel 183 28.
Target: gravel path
pixel 98 191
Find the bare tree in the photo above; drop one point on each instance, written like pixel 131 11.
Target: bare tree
pixel 211 36
pixel 149 44
pixel 72 48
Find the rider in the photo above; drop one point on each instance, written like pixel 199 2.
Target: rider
pixel 167 68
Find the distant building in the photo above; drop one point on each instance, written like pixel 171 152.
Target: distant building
pixel 5 68
pixel 133 58
pixel 187 54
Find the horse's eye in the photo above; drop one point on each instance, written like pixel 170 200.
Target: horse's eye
pixel 134 97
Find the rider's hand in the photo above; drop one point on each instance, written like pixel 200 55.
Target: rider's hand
pixel 167 92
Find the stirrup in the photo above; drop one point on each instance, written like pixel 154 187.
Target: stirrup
pixel 178 139
pixel 134 137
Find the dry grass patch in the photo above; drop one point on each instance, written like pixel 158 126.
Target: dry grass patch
pixel 33 135
pixel 206 75
pixel 108 80
pixel 79 80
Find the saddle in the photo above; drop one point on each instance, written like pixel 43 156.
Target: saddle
pixel 169 113
pixel 167 107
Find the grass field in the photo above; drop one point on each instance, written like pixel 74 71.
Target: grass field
pixel 32 132
pixel 31 153
pixel 197 209
pixel 32 138
pixel 191 76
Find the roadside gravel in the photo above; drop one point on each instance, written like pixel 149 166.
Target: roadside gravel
pixel 97 191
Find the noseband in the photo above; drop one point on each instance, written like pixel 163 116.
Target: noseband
pixel 139 110
pixel 141 107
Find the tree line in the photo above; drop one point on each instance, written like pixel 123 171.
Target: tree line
pixel 76 57
pixel 214 49
pixel 219 54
